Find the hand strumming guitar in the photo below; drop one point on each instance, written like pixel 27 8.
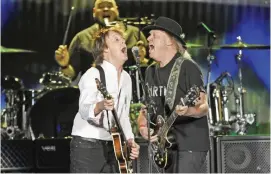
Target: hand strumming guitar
pixel 142 124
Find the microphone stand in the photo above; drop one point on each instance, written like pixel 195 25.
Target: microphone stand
pixel 149 104
pixel 210 58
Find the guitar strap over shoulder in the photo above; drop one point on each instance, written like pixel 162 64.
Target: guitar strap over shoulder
pixel 173 82
pixel 102 75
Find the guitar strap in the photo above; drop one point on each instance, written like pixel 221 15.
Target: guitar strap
pixel 173 83
pixel 102 77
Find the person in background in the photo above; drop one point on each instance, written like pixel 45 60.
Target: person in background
pixel 77 58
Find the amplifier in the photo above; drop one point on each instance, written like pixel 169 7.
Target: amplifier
pixel 52 155
pixel 243 154
pixel 17 155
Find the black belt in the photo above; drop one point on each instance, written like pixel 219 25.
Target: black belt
pixel 92 140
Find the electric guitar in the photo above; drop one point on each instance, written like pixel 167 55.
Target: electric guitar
pixel 120 143
pixel 160 148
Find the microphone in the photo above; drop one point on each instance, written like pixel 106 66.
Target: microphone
pixel 221 77
pixel 207 29
pixel 135 51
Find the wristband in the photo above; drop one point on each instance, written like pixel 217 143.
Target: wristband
pixel 142 125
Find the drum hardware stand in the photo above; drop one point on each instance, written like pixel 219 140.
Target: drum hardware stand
pixel 241 120
pixel 28 129
pixel 9 126
pixel 223 124
pixel 225 92
pixel 241 90
pixel 210 59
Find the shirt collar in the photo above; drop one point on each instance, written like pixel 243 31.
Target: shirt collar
pixel 112 70
pixel 109 65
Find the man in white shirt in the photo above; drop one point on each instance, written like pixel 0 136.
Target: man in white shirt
pixel 91 147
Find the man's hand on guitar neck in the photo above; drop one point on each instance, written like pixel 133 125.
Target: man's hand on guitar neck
pixel 134 149
pixel 104 105
pixel 199 109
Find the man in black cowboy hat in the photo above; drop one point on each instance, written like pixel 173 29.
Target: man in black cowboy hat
pixel 168 81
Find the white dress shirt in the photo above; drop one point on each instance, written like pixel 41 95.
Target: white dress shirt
pixel 85 122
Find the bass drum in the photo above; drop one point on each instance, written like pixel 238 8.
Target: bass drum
pixel 52 115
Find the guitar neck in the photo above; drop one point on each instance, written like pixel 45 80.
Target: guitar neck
pixel 114 113
pixel 165 128
pixel 171 119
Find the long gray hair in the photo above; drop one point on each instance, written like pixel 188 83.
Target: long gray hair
pixel 182 49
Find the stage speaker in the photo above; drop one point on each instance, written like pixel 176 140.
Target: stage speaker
pixel 17 155
pixel 243 154
pixel 52 155
pixel 142 164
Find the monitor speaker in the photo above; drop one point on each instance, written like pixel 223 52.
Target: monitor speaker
pixel 243 154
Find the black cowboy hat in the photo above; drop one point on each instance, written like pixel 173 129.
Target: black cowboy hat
pixel 168 25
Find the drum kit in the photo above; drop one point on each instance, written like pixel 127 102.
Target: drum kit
pixel 49 112
pixel 30 113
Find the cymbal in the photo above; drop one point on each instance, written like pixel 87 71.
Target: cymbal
pixel 192 45
pixel 242 45
pixel 14 50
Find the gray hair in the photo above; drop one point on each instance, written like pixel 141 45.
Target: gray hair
pixel 182 49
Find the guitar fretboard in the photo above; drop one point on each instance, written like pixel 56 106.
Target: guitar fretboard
pixel 163 131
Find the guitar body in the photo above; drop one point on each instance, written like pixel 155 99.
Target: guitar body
pixel 121 152
pixel 165 138
pixel 170 139
pixel 161 155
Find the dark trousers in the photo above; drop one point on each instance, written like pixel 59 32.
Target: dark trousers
pixel 187 162
pixel 93 156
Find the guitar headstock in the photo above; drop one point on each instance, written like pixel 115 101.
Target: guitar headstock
pixel 192 94
pixel 102 89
